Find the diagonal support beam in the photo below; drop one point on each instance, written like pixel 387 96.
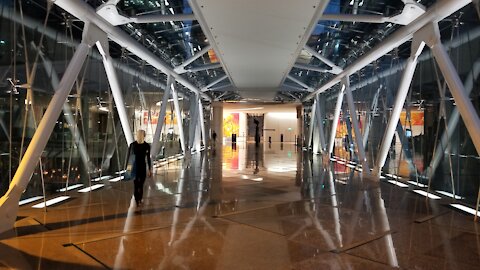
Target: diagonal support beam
pixel 453 121
pixel 335 69
pixel 109 12
pixel 221 88
pixel 162 18
pixel 312 124
pixel 356 126
pixel 288 87
pixel 206 88
pixel 319 122
pixel 181 69
pixel 370 116
pixel 193 122
pixel 411 11
pixel 464 104
pixel 297 81
pixel 161 117
pixel 178 114
pixel 406 80
pixel 67 112
pixel 336 117
pixel 314 68
pixel 102 45
pixel 435 13
pixel 204 67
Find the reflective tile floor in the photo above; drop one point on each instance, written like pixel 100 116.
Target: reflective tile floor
pixel 242 207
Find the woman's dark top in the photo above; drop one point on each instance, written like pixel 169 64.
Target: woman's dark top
pixel 142 157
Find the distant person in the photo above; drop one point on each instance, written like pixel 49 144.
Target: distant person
pixel 141 150
pixel 214 137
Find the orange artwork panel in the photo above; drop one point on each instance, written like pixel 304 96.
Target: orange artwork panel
pixel 155 115
pixel 231 124
pixel 417 118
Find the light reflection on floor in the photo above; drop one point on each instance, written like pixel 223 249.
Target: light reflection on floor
pixel 247 207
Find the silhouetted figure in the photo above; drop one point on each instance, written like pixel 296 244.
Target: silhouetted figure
pixel 257 133
pixel 214 137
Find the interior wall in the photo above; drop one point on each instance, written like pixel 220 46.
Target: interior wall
pixel 277 119
pixel 277 123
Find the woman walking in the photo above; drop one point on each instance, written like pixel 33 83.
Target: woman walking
pixel 141 150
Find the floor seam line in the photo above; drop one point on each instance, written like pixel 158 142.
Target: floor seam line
pixel 254 227
pixel 91 256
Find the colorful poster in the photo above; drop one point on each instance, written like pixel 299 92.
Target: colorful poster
pixel 231 124
pixel 416 118
pixel 168 118
pixel 342 127
pixel 212 56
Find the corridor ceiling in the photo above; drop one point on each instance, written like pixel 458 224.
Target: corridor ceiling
pixel 258 41
pixel 260 50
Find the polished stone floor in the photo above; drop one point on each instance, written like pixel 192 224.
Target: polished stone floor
pixel 242 207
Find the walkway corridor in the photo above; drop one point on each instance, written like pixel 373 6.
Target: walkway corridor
pixel 243 207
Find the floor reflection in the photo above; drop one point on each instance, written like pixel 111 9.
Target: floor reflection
pixel 247 207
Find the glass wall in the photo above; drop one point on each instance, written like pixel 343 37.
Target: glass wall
pixel 431 145
pixel 88 142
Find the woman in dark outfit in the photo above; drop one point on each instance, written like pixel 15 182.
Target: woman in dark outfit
pixel 141 150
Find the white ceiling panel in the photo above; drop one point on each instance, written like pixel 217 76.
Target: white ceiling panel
pixel 258 39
